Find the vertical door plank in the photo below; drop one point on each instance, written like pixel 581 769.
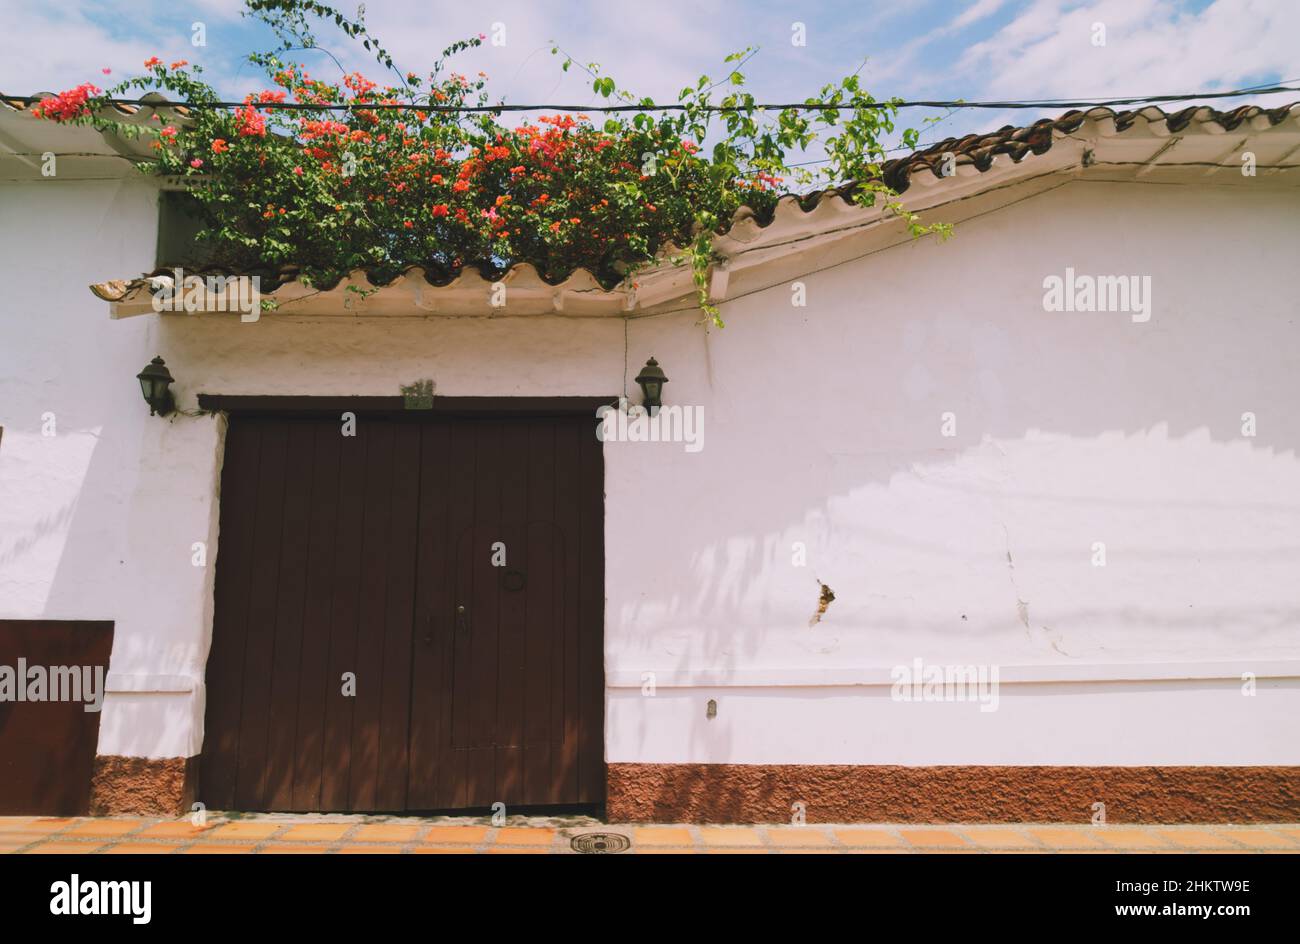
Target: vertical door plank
pixel 543 628
pixel 454 718
pixel 286 666
pixel 255 709
pixel 433 625
pixel 369 655
pixel 315 685
pixel 337 740
pixel 484 627
pixel 224 677
pixel 513 607
pixel 565 690
pixel 395 708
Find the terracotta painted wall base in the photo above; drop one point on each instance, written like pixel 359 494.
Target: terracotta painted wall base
pixel 766 793
pixel 142 786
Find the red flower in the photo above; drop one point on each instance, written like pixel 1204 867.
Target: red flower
pixel 66 105
pixel 152 61
pixel 219 146
pixel 180 62
pixel 460 186
pixel 439 209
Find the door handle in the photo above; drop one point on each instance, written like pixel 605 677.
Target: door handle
pixel 462 618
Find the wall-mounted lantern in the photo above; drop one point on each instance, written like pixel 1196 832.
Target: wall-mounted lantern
pixel 154 382
pixel 652 382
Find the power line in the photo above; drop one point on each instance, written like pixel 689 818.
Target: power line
pixel 716 109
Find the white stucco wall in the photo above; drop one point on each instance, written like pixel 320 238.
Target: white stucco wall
pixel 822 426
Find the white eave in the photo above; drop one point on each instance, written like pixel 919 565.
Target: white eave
pixel 798 241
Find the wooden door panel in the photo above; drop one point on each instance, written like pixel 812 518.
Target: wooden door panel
pixel 351 555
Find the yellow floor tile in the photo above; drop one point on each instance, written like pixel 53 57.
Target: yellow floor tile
pixel 524 836
pixel 933 838
pixel 98 828
pixel 999 839
pixel 180 829
pixel 662 836
pixel 730 836
pixel 869 838
pixel 1067 837
pixel 1118 837
pixel 316 832
pixel 469 835
pixel 798 837
pixel 1188 838
pixel 387 833
pixel 64 848
pixel 1259 838
pixel 252 829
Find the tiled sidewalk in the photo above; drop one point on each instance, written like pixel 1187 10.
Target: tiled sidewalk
pixel 368 834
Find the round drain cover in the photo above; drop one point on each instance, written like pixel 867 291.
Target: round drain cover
pixel 600 843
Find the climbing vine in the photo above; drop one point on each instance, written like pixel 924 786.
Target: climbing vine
pixel 385 183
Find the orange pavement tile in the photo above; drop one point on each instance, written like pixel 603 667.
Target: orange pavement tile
pixel 104 828
pixel 445 850
pixel 286 848
pixel 662 850
pixel 387 849
pixel 730 836
pixel 933 838
pixel 143 848
pixel 517 850
pixel 64 848
pixel 798 837
pixel 1186 838
pixel 459 834
pixel 738 850
pixel 213 848
pixel 524 836
pixel 44 825
pixel 999 839
pixel 1259 838
pixel 317 832
pixel 7 846
pixel 14 823
pixel 1293 833
pixel 1120 838
pixel 386 832
pixel 662 836
pixel 253 829
pixel 180 829
pixel 1066 837
pixel 869 838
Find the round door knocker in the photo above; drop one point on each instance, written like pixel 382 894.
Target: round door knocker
pixel 513 580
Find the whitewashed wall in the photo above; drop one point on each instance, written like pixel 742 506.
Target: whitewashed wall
pixel 822 426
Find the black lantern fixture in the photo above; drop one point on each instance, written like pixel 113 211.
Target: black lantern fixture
pixel 154 381
pixel 652 382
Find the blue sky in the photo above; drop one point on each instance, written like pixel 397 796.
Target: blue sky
pixel 933 49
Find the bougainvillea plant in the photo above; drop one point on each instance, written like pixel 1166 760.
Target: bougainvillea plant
pixel 386 183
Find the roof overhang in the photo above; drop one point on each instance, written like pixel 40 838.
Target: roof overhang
pixel 813 233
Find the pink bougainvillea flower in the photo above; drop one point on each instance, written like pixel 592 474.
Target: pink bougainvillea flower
pixel 196 163
pixel 66 105
pixel 298 169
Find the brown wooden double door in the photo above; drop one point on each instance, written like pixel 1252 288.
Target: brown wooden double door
pixel 409 618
